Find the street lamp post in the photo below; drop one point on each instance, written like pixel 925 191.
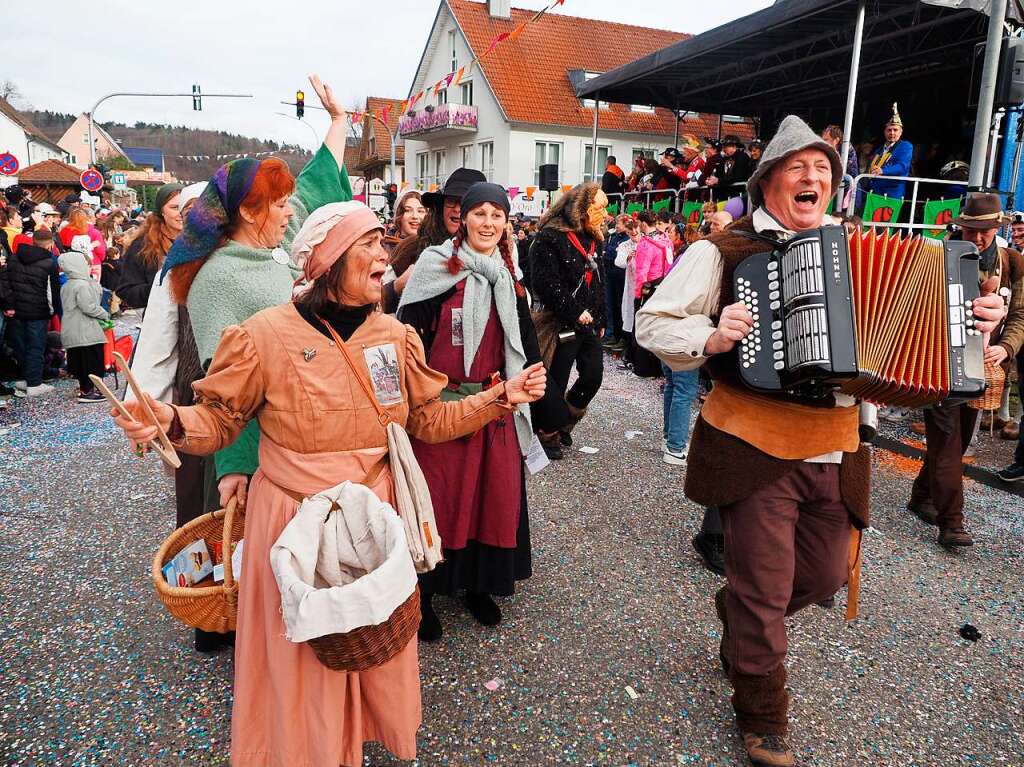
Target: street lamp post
pixel 92 143
pixel 316 136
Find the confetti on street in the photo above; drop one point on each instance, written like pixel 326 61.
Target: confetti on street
pixel 97 673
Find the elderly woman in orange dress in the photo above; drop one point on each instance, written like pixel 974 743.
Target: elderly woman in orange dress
pixel 320 427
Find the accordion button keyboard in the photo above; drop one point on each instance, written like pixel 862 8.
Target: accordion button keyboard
pixel 777 325
pixel 956 335
pixel 776 335
pixel 777 345
pixel 774 305
pixel 778 355
pixel 778 365
pixel 773 276
pixel 773 296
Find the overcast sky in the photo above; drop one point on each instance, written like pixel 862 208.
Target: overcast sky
pixel 262 47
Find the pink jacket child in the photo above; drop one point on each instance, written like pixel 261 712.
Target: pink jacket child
pixel 653 259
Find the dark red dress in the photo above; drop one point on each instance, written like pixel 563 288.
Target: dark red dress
pixel 476 483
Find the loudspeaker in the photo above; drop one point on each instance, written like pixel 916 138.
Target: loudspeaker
pixel 1010 83
pixel 549 178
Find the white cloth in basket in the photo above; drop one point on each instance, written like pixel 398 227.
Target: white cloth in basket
pixel 340 570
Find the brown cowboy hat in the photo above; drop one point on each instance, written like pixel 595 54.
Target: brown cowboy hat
pixel 981 211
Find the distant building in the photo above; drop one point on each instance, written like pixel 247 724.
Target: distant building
pixel 151 160
pixel 518 109
pixel 375 145
pixel 75 142
pixel 20 137
pixel 52 180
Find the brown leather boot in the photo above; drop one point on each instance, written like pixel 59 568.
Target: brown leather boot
pixel 924 510
pixel 951 537
pixel 575 416
pixel 768 750
pixel 761 703
pixel 1011 431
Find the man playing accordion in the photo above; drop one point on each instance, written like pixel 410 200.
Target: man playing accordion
pixel 788 472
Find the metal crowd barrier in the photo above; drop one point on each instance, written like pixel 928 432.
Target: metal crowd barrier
pixel 857 202
pixel 647 198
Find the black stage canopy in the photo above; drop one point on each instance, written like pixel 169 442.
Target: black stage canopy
pixel 795 57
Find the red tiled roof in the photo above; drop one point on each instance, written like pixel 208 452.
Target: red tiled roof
pixel 50 172
pixel 382 142
pixel 529 76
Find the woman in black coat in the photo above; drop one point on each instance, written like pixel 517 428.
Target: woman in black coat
pixel 566 277
pixel 148 248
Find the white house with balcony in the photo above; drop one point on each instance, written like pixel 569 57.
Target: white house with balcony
pixel 518 110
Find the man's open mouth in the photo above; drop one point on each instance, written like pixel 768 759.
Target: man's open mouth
pixel 806 199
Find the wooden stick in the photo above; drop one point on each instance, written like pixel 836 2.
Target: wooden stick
pixel 163 447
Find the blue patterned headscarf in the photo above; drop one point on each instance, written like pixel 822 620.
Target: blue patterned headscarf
pixel 211 214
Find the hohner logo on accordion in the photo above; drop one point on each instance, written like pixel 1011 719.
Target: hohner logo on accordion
pixel 878 317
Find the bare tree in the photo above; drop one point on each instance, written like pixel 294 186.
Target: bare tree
pixel 11 93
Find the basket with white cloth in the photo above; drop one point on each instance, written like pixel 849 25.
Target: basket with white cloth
pixel 347 582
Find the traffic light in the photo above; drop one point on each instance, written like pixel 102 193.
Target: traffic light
pixel 300 104
pixel 197 99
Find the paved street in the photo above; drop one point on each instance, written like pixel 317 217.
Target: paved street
pixel 608 656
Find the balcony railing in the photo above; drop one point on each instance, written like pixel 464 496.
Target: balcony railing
pixel 440 121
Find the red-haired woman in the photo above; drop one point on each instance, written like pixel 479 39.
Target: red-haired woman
pixel 466 302
pixel 148 246
pixel 79 226
pixel 231 259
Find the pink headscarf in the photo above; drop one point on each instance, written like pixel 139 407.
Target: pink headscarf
pixel 328 233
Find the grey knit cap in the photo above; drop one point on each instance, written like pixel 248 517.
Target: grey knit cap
pixel 792 136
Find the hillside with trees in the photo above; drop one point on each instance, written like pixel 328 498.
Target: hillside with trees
pixel 179 143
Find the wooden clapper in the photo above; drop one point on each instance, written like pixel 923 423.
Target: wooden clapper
pixel 162 444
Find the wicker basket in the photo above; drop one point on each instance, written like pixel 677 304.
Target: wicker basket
pixel 995 382
pixel 210 608
pixel 370 646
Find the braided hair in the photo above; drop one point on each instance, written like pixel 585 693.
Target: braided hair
pixel 504 247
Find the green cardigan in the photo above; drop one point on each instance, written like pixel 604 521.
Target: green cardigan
pixel 237 281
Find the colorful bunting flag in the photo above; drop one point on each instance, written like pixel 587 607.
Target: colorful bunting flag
pixel 518 31
pixel 880 209
pixel 459 75
pixel 566 189
pixel 940 213
pixel 433 188
pixel 692 213
pixel 513 192
pixel 385 112
pixel 530 190
pixel 498 40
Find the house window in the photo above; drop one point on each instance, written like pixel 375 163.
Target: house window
pixel 589 103
pixel 440 161
pixel 645 108
pixel 442 96
pixel 546 153
pixel 467 155
pixel 487 159
pixel 422 170
pixel 602 160
pixel 648 153
pixel 373 145
pixel 467 93
pixel 451 47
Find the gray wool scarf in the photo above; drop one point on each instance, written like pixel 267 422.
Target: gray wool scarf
pixel 487 279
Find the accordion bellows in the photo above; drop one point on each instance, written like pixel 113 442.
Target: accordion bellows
pixel 877 316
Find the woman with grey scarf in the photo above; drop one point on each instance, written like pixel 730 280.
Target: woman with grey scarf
pixel 467 304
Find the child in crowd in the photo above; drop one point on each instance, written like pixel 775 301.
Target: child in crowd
pixel 33 283
pixel 80 332
pixel 625 255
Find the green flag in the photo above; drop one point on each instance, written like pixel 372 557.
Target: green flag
pixel 692 212
pixel 880 209
pixel 635 207
pixel 831 205
pixel 613 209
pixel 661 205
pixel 940 213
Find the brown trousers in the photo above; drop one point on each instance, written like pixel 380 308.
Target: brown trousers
pixel 948 431
pixel 786 547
